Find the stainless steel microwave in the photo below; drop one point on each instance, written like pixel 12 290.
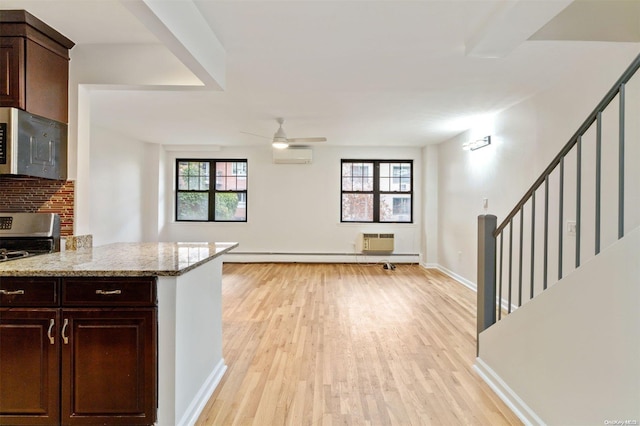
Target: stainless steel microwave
pixel 32 145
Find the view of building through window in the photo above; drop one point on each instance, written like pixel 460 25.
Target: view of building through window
pixel 198 200
pixel 377 191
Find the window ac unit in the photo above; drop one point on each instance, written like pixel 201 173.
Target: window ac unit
pixel 372 243
pixel 292 156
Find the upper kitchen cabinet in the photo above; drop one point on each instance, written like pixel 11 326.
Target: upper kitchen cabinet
pixel 34 66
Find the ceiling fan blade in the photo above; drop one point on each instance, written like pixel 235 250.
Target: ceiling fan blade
pixel 254 134
pixel 295 140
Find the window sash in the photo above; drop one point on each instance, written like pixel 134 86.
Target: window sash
pixel 223 182
pixel 391 180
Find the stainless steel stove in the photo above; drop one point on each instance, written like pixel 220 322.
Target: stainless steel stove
pixel 28 234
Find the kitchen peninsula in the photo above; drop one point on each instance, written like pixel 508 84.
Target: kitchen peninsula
pixel 86 298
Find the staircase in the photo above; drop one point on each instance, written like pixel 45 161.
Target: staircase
pixel 559 278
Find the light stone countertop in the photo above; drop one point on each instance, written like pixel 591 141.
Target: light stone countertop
pixel 119 259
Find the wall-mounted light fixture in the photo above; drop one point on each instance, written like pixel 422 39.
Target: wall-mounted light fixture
pixel 477 144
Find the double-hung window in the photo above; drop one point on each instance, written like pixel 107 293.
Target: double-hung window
pixel 377 191
pixel 211 190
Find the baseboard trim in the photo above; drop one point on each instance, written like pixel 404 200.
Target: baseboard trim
pixel 506 394
pixel 465 282
pixel 201 398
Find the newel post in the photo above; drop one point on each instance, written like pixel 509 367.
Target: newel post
pixel 486 314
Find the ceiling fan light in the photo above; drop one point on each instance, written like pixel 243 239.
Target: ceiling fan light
pixel 280 144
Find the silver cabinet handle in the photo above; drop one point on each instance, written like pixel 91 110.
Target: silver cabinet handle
pixel 49 335
pixel 11 292
pixel 108 292
pixel 65 339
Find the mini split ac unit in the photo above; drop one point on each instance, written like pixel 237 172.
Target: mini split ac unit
pixel 292 156
pixel 372 243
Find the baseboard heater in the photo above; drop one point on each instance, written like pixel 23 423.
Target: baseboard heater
pixel 305 257
pixel 274 253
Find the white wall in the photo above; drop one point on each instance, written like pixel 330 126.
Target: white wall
pixel 500 172
pixel 572 353
pixel 430 245
pixel 525 138
pixel 294 209
pixel 189 366
pixel 105 67
pixel 122 188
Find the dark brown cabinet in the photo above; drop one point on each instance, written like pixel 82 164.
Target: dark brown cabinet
pixel 29 367
pixel 108 367
pixel 34 66
pixel 91 360
pixel 11 67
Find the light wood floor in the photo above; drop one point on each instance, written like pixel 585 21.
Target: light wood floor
pixel 310 344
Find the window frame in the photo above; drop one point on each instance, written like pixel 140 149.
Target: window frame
pixel 213 188
pixel 376 191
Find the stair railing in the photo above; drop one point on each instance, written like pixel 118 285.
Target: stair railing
pixel 502 263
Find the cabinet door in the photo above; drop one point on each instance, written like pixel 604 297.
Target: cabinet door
pixel 46 83
pixel 109 366
pixel 12 72
pixel 29 366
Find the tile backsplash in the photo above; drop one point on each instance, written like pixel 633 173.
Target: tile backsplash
pixel 35 195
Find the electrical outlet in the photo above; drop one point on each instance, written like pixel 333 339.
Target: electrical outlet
pixel 571 228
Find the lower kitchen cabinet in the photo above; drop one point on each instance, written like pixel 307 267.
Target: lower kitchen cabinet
pixel 108 366
pixel 95 364
pixel 29 367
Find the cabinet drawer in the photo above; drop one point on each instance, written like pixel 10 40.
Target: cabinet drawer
pixel 28 291
pixel 134 291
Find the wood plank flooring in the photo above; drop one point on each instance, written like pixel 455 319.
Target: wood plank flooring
pixel 347 344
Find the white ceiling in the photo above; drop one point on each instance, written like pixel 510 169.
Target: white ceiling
pixel 377 73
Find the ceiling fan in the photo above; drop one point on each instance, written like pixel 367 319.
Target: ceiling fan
pixel 281 141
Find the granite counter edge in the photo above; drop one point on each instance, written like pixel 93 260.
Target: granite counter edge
pixel 113 272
